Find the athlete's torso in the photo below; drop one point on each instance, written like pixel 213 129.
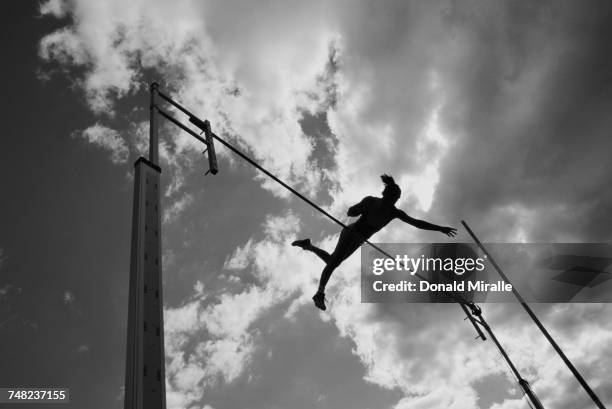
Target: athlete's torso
pixel 376 215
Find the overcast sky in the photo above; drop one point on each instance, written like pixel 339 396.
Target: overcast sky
pixel 496 112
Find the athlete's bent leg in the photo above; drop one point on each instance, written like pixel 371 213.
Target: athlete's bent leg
pixel 347 244
pixel 329 268
pixel 323 255
pixel 308 246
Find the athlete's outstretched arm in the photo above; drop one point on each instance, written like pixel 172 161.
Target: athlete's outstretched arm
pixel 422 224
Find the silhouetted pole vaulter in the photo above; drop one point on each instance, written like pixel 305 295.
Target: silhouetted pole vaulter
pixel 145 369
pixel 374 214
pixel 539 324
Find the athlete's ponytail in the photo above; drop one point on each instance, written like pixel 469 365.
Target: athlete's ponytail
pixel 388 180
pixel 392 190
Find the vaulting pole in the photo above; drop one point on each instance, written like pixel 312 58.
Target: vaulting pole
pixel 535 319
pixel 479 318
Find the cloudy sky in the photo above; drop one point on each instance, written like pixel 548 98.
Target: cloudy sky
pixel 492 112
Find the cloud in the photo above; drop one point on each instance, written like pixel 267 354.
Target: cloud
pixel 57 8
pixel 9 290
pixel 475 108
pixel 392 358
pixel 258 102
pixel 172 212
pixel 207 343
pixel 426 352
pixel 239 260
pixel 69 298
pixel 82 349
pixel 107 139
pixel 70 302
pixel 524 108
pixel 585 341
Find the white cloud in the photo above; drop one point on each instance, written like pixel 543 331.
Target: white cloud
pixel 199 289
pixel 107 139
pixel 225 338
pixel 81 349
pixel 55 7
pixel 425 351
pixel 172 212
pixel 239 260
pixel 253 87
pixel 390 356
pixel 253 91
pixel 69 297
pixel 395 85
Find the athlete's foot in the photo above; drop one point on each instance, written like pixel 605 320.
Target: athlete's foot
pixel 319 300
pixel 303 244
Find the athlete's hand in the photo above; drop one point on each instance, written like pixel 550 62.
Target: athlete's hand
pixel 449 231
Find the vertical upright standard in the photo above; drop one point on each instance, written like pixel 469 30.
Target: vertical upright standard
pixel 145 386
pixel 144 373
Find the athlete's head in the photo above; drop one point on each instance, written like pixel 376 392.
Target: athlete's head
pixel 392 191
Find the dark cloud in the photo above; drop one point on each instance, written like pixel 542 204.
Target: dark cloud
pixel 527 105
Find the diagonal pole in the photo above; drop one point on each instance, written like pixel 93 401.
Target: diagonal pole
pixel 458 298
pixel 535 319
pixel 479 318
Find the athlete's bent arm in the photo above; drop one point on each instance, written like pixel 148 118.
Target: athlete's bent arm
pixel 359 208
pixel 422 224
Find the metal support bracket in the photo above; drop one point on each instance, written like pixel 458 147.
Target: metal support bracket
pixel 203 125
